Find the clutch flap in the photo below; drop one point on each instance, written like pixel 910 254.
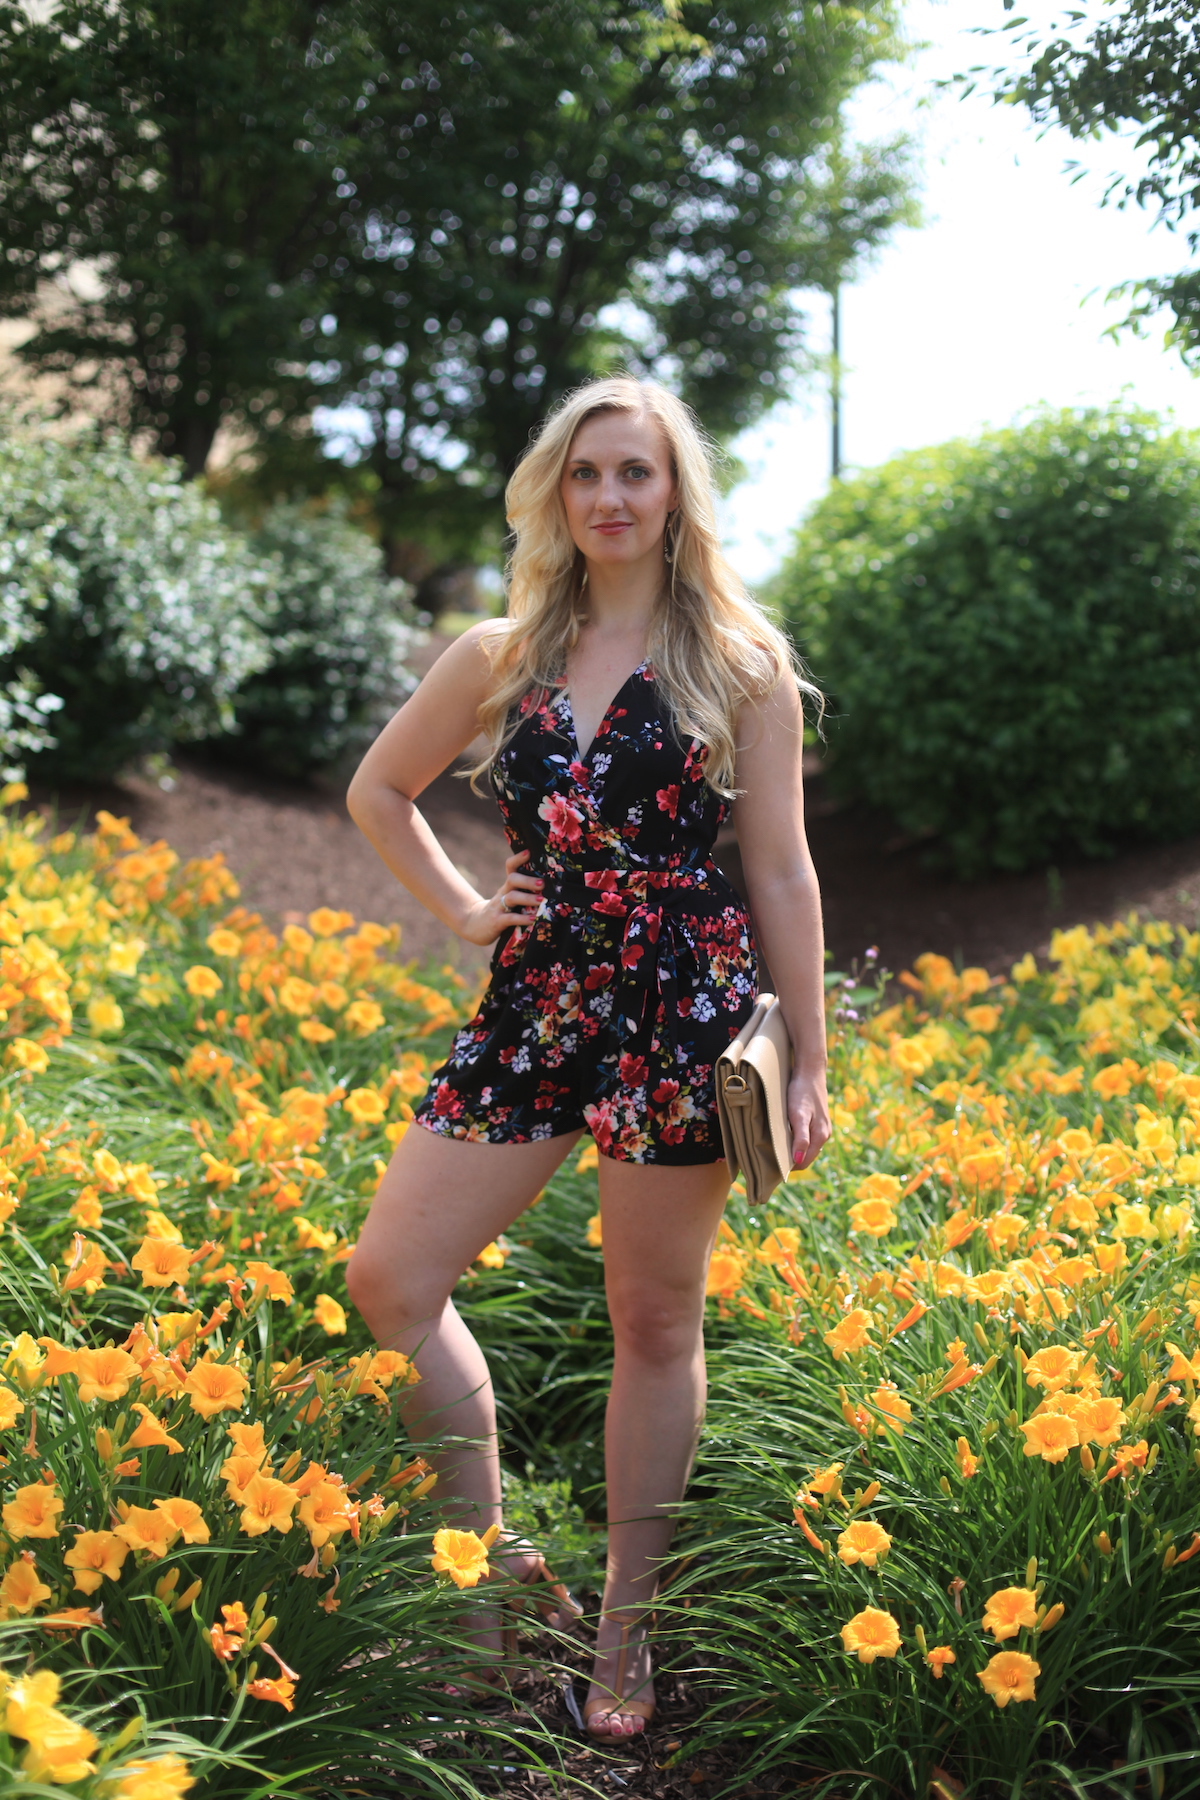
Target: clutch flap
pixel 769 1053
pixel 733 1055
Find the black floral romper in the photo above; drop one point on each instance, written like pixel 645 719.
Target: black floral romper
pixel 610 1010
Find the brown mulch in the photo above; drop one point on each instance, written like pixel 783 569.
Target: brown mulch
pixel 294 847
pixel 662 1763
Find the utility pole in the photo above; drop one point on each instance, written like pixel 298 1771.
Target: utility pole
pixel 835 383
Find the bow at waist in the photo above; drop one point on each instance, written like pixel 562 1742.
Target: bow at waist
pixel 645 906
pixel 617 893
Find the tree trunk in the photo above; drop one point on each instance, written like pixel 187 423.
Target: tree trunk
pixel 191 439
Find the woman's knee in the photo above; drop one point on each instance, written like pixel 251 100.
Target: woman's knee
pixel 656 1326
pixel 398 1297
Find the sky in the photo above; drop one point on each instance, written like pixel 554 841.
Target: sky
pixel 994 305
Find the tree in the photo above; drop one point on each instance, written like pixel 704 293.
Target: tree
pixel 162 150
pixel 444 220
pixel 1137 65
pixel 685 180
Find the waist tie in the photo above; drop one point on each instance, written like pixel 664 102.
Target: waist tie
pixel 645 903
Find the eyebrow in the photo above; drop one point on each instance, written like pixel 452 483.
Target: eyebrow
pixel 580 461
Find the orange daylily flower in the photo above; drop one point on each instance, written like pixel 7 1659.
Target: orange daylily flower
pixel 276 1283
pixel 1050 1436
pixel 462 1555
pixel 162 1263
pixel 186 1517
pixel 325 1512
pixel 33 1511
pixel 870 1634
pixel 280 1691
pixel 1008 1610
pixel 851 1333
pixel 863 1541
pixel 151 1434
pixel 267 1504
pixel 151 1531
pixel 1010 1675
pixel 21 1589
pixel 95 1556
pixel 104 1374
pixel 214 1387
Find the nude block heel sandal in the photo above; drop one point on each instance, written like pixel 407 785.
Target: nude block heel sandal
pixel 558 1608
pixel 619 1703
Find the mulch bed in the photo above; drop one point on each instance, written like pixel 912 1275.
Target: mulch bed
pixel 294 847
pixel 658 1764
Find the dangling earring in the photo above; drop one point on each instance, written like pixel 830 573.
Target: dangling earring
pixel 669 539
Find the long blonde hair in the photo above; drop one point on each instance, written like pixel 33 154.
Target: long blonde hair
pixel 711 646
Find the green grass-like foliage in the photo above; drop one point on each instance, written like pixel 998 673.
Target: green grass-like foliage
pixel 966 1343
pixel 1009 633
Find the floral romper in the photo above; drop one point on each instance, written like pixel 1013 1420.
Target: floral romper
pixel 608 1011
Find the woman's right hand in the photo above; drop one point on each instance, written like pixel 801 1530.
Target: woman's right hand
pixel 515 903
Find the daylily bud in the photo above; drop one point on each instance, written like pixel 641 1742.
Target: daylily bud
pixel 1031 1572
pixel 190 1593
pixel 104 1444
pixel 125 1736
pixel 1104 1544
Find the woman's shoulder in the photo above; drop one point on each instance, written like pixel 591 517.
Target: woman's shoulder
pixel 472 656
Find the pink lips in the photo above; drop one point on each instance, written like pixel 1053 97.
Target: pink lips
pixel 612 529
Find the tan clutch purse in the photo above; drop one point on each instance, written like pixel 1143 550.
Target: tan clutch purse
pixel 752 1080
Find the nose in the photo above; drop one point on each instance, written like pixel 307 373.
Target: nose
pixel 609 498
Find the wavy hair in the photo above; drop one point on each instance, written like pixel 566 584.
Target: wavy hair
pixel 711 646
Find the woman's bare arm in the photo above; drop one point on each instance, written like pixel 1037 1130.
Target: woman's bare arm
pixel 429 732
pixel 785 900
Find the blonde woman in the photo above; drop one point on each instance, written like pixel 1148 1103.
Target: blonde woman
pixel 631 699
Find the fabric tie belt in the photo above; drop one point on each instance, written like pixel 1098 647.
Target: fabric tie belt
pixel 646 903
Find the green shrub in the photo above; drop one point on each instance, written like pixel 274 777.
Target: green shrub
pixel 1010 635
pixel 128 609
pixel 338 644
pixel 133 618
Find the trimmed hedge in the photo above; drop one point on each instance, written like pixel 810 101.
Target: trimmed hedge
pixel 1009 632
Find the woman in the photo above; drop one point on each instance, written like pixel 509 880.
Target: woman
pixel 632 695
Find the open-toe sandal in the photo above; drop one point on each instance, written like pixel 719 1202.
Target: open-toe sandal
pixel 602 1707
pixel 558 1608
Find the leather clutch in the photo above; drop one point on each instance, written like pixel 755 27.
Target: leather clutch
pixel 752 1081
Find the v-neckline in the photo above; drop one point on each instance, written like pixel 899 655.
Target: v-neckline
pixel 584 756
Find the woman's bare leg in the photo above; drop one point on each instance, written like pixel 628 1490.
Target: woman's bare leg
pixel 658 1225
pixel 440 1202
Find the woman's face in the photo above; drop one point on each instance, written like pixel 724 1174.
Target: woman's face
pixel 617 488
